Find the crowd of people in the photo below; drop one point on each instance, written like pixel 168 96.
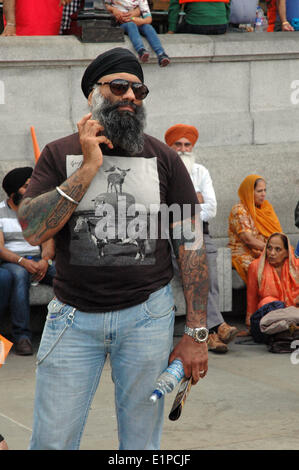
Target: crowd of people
pixel 261 253
pixel 31 17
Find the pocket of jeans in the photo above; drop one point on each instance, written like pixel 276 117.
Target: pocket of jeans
pixel 62 318
pixel 160 303
pixel 56 310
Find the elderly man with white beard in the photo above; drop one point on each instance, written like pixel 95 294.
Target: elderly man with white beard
pixel 182 138
pixel 115 303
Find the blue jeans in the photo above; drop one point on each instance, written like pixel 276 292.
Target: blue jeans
pixel 147 30
pixel 19 298
pixel 72 353
pixel 6 280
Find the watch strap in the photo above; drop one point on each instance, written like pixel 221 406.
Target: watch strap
pixel 193 332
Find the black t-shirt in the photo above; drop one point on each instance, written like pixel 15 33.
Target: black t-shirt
pixel 107 255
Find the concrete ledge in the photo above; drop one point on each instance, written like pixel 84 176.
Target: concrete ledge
pixel 182 48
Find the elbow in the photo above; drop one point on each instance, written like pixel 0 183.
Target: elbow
pixel 31 239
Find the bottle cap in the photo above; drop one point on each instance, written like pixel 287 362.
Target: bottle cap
pixel 155 396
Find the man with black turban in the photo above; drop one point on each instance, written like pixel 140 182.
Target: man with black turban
pixel 104 194
pixel 23 261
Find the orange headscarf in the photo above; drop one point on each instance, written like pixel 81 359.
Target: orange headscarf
pixel 264 217
pixel 174 133
pixel 289 275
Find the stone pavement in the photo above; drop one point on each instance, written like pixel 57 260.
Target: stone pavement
pixel 249 400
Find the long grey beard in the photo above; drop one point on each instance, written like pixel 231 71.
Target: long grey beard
pixel 123 128
pixel 189 159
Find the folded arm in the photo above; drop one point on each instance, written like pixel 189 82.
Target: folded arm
pixel 249 239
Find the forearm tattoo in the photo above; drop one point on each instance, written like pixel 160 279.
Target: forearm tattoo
pixel 49 211
pixel 194 273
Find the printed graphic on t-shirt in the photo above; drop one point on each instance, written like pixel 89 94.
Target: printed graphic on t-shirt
pixel 115 223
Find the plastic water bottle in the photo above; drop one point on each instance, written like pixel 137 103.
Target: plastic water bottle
pixel 259 20
pixel 258 25
pixel 33 283
pixel 168 380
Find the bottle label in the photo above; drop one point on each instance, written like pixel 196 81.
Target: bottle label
pixel 176 368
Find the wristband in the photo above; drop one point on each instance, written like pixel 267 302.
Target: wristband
pixel 20 259
pixel 66 196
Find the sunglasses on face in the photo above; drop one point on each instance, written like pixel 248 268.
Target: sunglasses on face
pixel 119 87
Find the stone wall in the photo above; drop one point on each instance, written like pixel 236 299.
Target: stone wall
pixel 240 90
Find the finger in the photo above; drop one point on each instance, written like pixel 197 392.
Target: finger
pixel 84 120
pixel 91 127
pixel 102 139
pixel 195 377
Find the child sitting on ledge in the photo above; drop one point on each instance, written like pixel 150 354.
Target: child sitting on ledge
pixel 135 18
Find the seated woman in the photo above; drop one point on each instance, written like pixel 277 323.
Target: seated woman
pixel 274 276
pixel 251 222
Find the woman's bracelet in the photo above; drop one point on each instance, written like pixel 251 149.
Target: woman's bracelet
pixel 20 259
pixel 66 196
pixel 10 24
pixel 285 22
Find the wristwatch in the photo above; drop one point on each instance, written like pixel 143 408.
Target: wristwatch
pixel 49 261
pixel 200 335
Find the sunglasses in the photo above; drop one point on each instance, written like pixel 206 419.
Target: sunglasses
pixel 119 87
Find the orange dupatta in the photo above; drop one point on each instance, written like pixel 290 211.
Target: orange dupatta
pixel 264 217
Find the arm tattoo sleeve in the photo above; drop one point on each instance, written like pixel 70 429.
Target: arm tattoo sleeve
pixel 44 215
pixel 191 259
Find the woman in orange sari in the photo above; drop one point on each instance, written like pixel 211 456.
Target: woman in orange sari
pixel 274 276
pixel 251 222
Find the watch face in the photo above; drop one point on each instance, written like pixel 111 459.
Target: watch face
pixel 201 334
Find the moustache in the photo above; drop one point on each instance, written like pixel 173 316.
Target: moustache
pixel 120 104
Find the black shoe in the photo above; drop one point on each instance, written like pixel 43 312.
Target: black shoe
pixel 143 55
pixel 163 60
pixel 23 347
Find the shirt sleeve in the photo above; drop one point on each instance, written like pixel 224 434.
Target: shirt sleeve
pixel 181 199
pixel 46 175
pixel 240 220
pixel 144 8
pixel 205 187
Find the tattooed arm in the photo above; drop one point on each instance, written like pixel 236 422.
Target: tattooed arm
pixel 194 273
pixel 45 215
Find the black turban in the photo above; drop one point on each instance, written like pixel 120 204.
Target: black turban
pixel 15 179
pixel 113 61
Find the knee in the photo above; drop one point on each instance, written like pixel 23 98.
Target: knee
pixel 147 27
pixel 6 278
pixel 21 275
pixel 131 26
